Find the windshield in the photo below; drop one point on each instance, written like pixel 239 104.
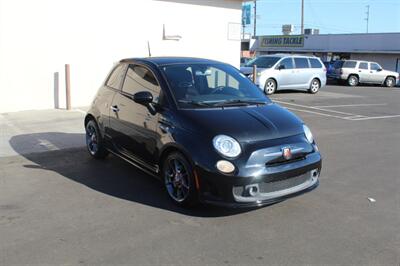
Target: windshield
pixel 263 62
pixel 211 85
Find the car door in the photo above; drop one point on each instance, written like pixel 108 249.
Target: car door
pixel 363 72
pixel 303 73
pixel 376 75
pixel 284 73
pixel 105 95
pixel 134 128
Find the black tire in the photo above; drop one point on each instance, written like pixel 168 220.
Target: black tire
pixel 314 86
pixel 94 141
pixel 270 87
pixel 179 180
pixel 352 80
pixel 390 82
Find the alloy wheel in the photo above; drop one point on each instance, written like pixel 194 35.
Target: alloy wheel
pixel 177 180
pixel 314 86
pixel 353 81
pixel 270 87
pixel 389 82
pixel 91 139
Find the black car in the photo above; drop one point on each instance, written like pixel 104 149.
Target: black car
pixel 204 129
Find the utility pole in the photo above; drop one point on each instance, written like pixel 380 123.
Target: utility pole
pixel 367 18
pixel 255 19
pixel 302 16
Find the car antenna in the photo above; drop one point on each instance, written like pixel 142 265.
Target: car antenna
pixel 148 48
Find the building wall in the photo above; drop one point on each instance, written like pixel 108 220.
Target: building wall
pixel 38 37
pixel 343 43
pixel 387 61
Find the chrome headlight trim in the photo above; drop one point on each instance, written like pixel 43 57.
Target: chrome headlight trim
pixel 227 146
pixel 308 134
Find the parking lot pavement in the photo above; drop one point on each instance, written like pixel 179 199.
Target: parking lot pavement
pixel 62 207
pixel 54 126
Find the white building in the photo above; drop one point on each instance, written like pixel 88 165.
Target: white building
pixel 383 48
pixel 37 39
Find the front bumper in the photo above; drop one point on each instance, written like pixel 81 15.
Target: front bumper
pixel 270 185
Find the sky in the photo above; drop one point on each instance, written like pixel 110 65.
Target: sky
pixel 329 16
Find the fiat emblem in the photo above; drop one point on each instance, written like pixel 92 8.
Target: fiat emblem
pixel 287 153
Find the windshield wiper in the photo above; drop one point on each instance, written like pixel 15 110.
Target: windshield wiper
pixel 239 102
pixel 196 103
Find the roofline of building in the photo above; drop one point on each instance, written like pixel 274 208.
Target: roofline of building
pixel 294 50
pixel 335 34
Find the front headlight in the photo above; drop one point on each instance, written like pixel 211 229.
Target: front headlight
pixel 227 146
pixel 308 134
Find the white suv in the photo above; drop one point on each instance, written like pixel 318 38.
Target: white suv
pixel 282 71
pixel 355 72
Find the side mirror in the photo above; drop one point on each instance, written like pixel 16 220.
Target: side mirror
pixel 280 67
pixel 143 97
pixel 379 69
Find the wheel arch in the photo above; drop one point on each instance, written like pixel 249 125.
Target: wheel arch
pixel 390 76
pixel 353 74
pixel 170 148
pixel 317 78
pixel 89 117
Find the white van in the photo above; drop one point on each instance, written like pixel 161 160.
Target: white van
pixel 283 71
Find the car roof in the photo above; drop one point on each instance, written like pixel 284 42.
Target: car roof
pixel 288 55
pixel 160 61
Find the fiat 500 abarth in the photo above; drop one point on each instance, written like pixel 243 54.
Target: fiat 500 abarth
pixel 205 130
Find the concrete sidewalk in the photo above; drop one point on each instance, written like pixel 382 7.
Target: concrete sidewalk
pixel 40 131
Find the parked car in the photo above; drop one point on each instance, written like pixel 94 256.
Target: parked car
pixel 204 129
pixel 283 71
pixel 330 69
pixel 355 72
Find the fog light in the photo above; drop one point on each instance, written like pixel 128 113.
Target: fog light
pixel 225 166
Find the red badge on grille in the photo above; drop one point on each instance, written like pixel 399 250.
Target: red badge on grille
pixel 287 153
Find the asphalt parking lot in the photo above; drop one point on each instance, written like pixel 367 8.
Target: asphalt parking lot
pixel 58 206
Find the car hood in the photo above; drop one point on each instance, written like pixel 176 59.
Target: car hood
pixel 246 124
pixel 388 72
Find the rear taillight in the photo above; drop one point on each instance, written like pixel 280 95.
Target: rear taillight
pixel 341 72
pixel 324 69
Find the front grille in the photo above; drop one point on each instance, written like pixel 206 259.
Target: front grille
pixel 283 184
pixel 283 161
pixel 275 185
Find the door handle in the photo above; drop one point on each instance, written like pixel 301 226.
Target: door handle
pixel 165 125
pixel 164 128
pixel 114 108
pixel 359 70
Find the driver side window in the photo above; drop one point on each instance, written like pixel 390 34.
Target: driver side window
pixel 375 66
pixel 139 78
pixel 286 63
pixel 218 78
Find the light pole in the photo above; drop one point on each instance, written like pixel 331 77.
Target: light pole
pixel 302 16
pixel 255 19
pixel 367 18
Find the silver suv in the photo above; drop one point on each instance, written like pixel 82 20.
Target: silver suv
pixel 283 71
pixel 355 72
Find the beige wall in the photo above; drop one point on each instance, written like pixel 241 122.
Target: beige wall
pixel 38 37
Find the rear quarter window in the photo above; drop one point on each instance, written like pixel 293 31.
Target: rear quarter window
pixel 115 78
pixel 349 64
pixel 315 63
pixel 301 62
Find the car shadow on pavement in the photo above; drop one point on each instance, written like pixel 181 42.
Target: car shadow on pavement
pixel 291 91
pixel 111 176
